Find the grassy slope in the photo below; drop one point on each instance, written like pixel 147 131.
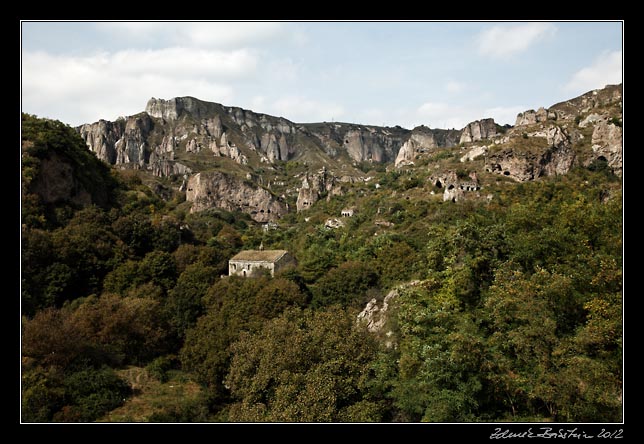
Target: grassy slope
pixel 152 396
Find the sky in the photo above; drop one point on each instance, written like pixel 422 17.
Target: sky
pixel 438 74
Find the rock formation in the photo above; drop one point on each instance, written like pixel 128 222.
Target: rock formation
pixel 407 153
pixel 374 316
pixel 314 186
pixel 175 137
pixel 478 130
pixel 473 153
pixel 556 158
pixel 454 188
pixel 607 145
pixel 423 140
pixel 219 190
pixel 531 117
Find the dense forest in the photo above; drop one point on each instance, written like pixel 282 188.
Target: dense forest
pixel 508 309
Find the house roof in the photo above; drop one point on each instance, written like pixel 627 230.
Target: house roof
pixel 259 255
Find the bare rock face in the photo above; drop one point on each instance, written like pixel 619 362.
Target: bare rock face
pixel 455 188
pixel 219 190
pixel 473 153
pixel 132 148
pixel 607 145
pixel 591 119
pixel 101 138
pixel 306 197
pixel 478 130
pixel 313 186
pixel 165 168
pixel 531 117
pixel 407 153
pixel 556 158
pixel 425 140
pixel 122 142
pixel 374 316
pixel 363 145
pixel 333 224
pixel 172 109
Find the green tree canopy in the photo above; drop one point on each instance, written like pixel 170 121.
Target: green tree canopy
pixel 310 366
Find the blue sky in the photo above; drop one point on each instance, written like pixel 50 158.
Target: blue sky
pixel 440 74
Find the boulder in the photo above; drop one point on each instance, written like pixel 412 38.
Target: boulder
pixel 478 130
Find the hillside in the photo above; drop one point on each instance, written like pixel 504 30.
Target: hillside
pixel 442 275
pixel 182 137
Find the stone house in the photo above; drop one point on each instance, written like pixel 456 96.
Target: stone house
pixel 347 212
pixel 249 262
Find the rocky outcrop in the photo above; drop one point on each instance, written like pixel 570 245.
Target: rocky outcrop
pixel 316 185
pixel 407 153
pixel 228 149
pixel 473 153
pixel 173 108
pixel 333 224
pixel 424 140
pixel 306 196
pixel 101 138
pixel 607 145
pixel 556 158
pixel 590 120
pixel 120 142
pixel 366 144
pixel 166 168
pixel 454 187
pixel 219 190
pixel 478 130
pixel 610 95
pixel 531 117
pixel 374 316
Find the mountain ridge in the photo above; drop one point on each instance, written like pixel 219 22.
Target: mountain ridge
pixel 181 137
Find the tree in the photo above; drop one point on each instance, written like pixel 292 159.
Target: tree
pixel 523 338
pixel 184 303
pixel 233 305
pixel 106 330
pixel 345 285
pixel 310 366
pixel 90 393
pixel 441 351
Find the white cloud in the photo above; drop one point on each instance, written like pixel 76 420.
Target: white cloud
pixel 301 109
pixel 197 34
pixel 454 87
pixel 257 103
pixel 606 69
pixel 80 89
pixel 505 40
pixel 504 114
pixel 445 116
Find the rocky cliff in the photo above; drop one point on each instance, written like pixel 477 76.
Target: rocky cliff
pixel 546 153
pixel 607 144
pixel 186 124
pixel 424 140
pixel 219 190
pixel 184 136
pixel 478 130
pixel 595 115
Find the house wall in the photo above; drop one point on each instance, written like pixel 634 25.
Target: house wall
pixel 248 268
